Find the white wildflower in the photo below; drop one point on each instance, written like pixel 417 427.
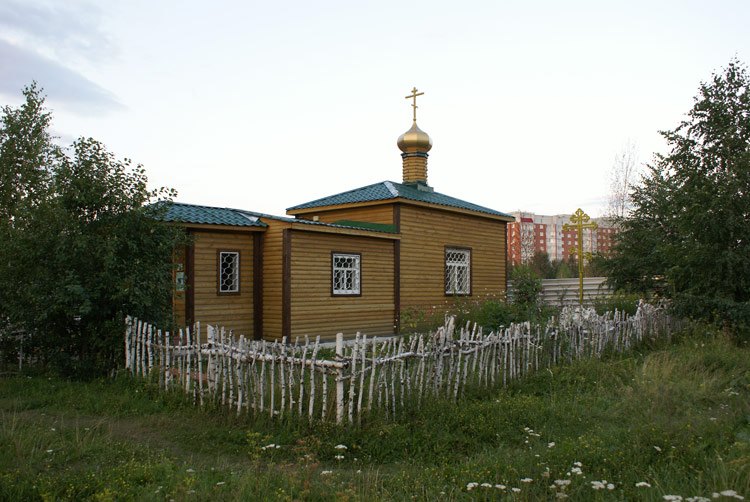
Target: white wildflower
pixel 577 464
pixel 659 450
pixel 562 482
pixel 550 445
pixel 599 485
pixel 732 493
pixel 339 457
pixel 50 451
pixel 516 489
pixel 189 470
pixel 326 473
pixel 642 484
pixel 576 470
pixel 526 480
pixel 561 495
pixel 219 483
pixel 471 486
pixel 486 485
pixel 500 487
pixel 673 497
pixel 340 447
pixel 610 486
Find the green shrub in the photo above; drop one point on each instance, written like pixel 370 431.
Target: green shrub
pixel 621 300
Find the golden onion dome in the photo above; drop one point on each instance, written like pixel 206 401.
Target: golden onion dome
pixel 414 138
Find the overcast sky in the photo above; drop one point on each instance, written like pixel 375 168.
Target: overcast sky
pixel 265 105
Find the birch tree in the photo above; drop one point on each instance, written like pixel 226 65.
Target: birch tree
pixel 623 175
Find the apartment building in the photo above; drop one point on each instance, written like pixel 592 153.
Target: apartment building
pixel 532 233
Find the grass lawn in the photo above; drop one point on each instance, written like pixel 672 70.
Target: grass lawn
pixel 665 420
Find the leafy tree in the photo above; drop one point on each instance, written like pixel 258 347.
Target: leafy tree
pixel 541 265
pixel 27 155
pixel 82 247
pixel 688 237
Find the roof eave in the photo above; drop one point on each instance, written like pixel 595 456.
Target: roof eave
pixel 402 200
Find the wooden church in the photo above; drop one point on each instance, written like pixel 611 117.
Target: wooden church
pixel 348 262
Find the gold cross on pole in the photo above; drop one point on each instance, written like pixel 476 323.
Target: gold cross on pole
pixel 580 222
pixel 414 95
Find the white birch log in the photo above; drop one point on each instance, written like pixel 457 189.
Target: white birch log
pixel 168 363
pixel 200 361
pixel 262 388
pixel 373 373
pixel 282 379
pixel 128 332
pixel 189 358
pixel 363 352
pixel 272 381
pixel 301 394
pixel 311 408
pixel 339 380
pixel 352 379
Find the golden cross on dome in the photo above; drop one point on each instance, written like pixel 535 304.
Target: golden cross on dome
pixel 414 95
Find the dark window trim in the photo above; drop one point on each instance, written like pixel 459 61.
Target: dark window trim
pixel 219 292
pixel 471 270
pixel 348 295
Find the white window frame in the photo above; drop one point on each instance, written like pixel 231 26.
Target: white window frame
pixel 453 265
pixel 233 288
pixel 345 267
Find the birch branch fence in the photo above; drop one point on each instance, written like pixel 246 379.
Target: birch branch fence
pixel 387 374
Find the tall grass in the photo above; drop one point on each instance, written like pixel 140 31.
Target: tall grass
pixel 676 417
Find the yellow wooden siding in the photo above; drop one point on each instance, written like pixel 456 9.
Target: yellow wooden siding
pixel 233 312
pixel 272 278
pixel 314 311
pixel 426 232
pixel 373 214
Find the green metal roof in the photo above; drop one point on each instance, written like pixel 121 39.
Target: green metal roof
pixel 387 190
pixel 380 227
pixel 190 213
pixel 348 224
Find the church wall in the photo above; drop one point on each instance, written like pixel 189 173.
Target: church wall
pixel 381 213
pixel 315 311
pixel 232 311
pixel 273 250
pixel 425 232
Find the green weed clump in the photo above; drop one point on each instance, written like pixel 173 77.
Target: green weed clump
pixel 664 419
pixel 620 300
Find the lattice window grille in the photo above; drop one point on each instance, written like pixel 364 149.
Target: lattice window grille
pixel 229 272
pixel 346 268
pixel 457 271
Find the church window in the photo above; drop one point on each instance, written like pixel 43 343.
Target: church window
pixel 228 277
pixel 346 274
pixel 457 271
